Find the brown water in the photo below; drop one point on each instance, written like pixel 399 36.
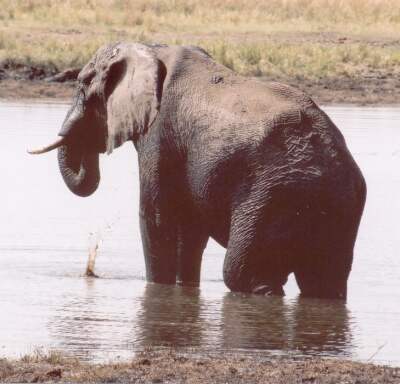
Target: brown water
pixel 45 233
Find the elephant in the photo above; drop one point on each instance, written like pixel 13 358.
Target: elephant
pixel 255 165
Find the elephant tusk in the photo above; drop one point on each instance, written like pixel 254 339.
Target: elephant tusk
pixel 56 144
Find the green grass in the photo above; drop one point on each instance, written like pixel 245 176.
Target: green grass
pixel 250 36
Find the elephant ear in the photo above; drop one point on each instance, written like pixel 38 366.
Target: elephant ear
pixel 133 88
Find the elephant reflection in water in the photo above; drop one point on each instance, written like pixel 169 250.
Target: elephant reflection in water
pixel 307 325
pixel 321 326
pixel 166 316
pixel 176 316
pixel 89 328
pixel 252 322
pixel 170 316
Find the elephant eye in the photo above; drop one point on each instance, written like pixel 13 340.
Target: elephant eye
pixel 88 78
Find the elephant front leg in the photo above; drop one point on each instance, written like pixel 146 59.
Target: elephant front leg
pixel 160 247
pixel 191 243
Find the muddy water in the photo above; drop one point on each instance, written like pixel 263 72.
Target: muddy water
pixel 45 232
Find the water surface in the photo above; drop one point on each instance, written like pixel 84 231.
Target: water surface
pixel 45 233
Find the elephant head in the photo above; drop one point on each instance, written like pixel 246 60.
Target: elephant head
pixel 117 99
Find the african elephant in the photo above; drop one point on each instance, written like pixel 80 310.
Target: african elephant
pixel 257 166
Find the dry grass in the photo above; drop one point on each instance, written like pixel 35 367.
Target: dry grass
pixel 275 37
pixel 212 15
pixel 171 367
pixel 52 357
pixel 306 60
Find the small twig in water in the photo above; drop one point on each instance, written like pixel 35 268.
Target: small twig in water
pixel 95 239
pixel 377 351
pixel 91 261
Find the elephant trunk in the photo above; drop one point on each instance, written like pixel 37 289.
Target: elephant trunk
pixel 79 169
pixel 78 163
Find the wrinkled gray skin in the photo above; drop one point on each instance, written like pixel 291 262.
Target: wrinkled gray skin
pixel 257 166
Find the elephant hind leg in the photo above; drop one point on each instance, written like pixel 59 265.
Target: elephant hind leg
pixel 258 252
pixel 328 281
pixel 309 232
pixel 255 270
pixel 323 261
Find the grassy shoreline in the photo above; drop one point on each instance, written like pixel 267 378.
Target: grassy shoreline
pixel 173 367
pixel 347 48
pixel 374 91
pixel 278 38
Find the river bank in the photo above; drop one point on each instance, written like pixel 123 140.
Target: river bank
pixel 41 83
pixel 173 367
pixel 337 51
